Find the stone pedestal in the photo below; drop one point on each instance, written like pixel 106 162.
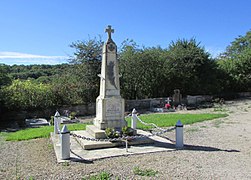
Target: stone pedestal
pixel 110 113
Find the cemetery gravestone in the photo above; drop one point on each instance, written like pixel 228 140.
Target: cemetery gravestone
pixel 177 97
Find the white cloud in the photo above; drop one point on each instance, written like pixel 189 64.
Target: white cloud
pixel 11 58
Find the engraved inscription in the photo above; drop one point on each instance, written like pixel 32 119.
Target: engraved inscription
pixel 113 108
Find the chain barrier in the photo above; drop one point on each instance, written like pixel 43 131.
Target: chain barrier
pixel 122 138
pixel 149 124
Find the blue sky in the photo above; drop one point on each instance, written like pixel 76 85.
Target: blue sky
pixel 40 31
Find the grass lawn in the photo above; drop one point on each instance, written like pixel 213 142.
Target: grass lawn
pixel 161 120
pixel 167 120
pixel 41 132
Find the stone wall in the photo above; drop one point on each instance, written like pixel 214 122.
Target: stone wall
pixel 244 94
pixel 144 104
pixel 82 110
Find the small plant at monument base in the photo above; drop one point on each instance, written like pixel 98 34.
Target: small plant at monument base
pixel 109 132
pixel 112 133
pixel 127 131
pixel 144 172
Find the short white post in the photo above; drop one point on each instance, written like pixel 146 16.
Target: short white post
pixel 179 135
pixel 126 145
pixel 65 143
pixel 56 122
pixel 134 119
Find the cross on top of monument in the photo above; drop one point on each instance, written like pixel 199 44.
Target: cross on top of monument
pixel 109 30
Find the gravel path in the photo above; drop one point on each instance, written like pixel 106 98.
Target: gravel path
pixel 217 149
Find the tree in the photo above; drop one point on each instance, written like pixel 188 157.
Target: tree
pixel 4 81
pixel 28 95
pixel 141 71
pixel 4 78
pixel 66 90
pixel 236 63
pixel 189 67
pixel 87 58
pixel 239 46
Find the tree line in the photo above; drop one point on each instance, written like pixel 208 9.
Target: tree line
pixel 147 72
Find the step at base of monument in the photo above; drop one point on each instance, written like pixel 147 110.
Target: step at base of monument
pixel 95 132
pixel 89 145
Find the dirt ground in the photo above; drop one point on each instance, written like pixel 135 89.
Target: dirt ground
pixel 216 149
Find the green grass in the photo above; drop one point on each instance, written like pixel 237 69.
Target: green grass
pixel 167 120
pixel 144 172
pixel 42 132
pixel 101 176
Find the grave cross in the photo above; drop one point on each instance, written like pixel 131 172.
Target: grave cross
pixel 109 30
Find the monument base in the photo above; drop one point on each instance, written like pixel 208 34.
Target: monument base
pixel 110 113
pixel 117 124
pixel 89 145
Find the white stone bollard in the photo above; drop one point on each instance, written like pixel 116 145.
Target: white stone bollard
pixel 134 119
pixel 65 143
pixel 56 122
pixel 179 135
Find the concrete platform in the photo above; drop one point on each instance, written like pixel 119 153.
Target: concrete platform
pixel 89 145
pixel 81 155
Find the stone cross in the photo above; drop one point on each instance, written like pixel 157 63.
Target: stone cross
pixel 109 30
pixel 168 100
